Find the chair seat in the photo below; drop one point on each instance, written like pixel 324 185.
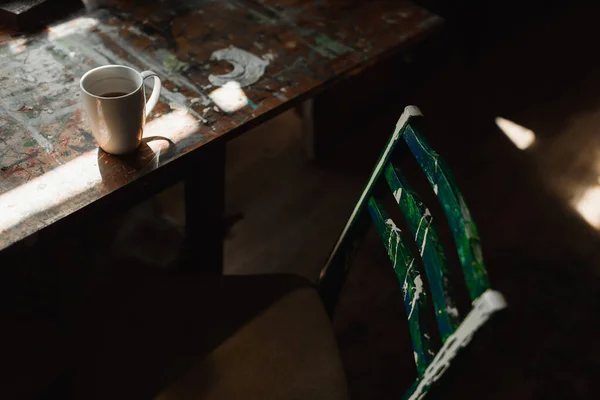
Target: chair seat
pixel 242 337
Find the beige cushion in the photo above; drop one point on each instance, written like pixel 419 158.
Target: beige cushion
pixel 287 352
pixel 236 338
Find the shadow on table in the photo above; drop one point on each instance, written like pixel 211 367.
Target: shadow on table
pixel 116 171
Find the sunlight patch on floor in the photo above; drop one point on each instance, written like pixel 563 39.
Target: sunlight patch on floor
pixel 521 137
pixel 588 206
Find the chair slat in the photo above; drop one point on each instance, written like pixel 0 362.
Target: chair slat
pixel 407 273
pixel 333 273
pixel 458 215
pixel 420 222
pixel 430 366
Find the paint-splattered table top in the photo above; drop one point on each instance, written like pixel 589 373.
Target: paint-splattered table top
pixel 281 51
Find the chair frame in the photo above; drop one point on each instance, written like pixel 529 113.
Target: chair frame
pixel 454 332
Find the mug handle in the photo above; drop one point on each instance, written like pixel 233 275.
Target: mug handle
pixel 155 91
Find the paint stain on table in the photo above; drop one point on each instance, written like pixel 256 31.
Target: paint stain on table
pixel 50 166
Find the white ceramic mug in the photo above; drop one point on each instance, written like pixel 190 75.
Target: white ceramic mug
pixel 115 103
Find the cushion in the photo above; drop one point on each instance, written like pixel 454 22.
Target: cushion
pixel 250 337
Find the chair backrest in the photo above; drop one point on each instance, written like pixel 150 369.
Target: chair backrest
pixel 455 332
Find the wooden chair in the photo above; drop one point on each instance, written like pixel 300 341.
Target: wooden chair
pixel 257 337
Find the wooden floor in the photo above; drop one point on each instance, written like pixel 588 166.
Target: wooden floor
pixel 284 212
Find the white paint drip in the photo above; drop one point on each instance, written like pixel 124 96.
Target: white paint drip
pixel 424 241
pixel 394 231
pixel 247 68
pixel 409 112
pixel 405 284
pixel 398 195
pixel 452 311
pixel 431 153
pixel 486 305
pixel 425 215
pixel 435 188
pixel 418 290
pixel 269 57
pixel 419 227
pixel 415 355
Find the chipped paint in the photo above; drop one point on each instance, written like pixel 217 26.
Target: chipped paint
pixel 102 55
pixel 395 232
pixel 170 62
pixel 247 67
pixel 420 222
pixel 409 112
pixel 405 284
pixel 176 44
pixel 329 47
pixel 146 59
pixel 424 241
pixel 452 311
pixel 280 96
pixel 454 335
pixel 418 291
pixel 268 57
pixel 33 131
pixel 398 195
pixel 260 17
pixel 459 218
pixel 484 307
pixel 423 218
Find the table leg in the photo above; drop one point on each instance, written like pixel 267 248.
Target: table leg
pixel 326 120
pixel 347 106
pixel 204 212
pixel 318 134
pixel 308 128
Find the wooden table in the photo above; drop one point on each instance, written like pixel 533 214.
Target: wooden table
pixel 283 52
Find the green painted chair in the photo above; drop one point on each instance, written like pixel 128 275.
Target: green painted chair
pixel 455 332
pixel 269 336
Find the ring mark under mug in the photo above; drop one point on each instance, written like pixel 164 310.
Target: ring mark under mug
pixel 115 103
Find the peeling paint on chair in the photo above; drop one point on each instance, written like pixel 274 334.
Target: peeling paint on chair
pixel 454 332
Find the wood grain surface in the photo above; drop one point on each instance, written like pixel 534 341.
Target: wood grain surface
pixel 267 55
